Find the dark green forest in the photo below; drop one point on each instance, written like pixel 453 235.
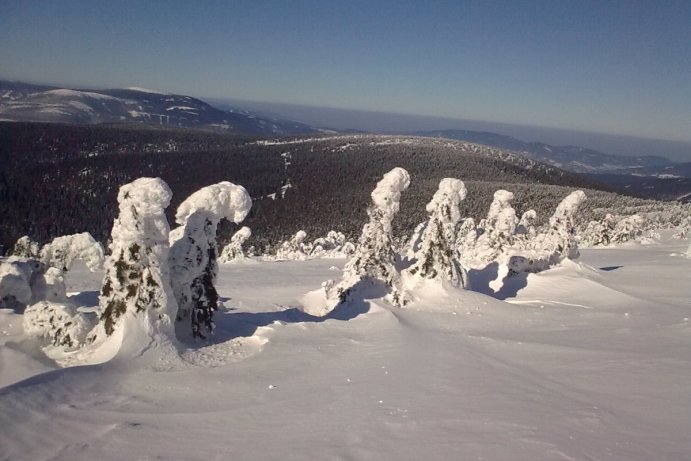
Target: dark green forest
pixel 64 179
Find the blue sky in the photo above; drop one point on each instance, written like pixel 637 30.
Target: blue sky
pixel 619 67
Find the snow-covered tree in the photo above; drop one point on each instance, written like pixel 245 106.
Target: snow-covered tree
pixel 466 235
pixel 193 257
pixel 233 250
pixel 598 232
pixel 136 285
pixel 374 256
pixel 25 248
pixel 58 322
pixel 334 245
pixel 63 251
pixel 497 235
pixel 684 228
pixel 526 225
pixel 295 248
pixel 25 281
pixel 628 228
pixel 436 258
pixel 554 245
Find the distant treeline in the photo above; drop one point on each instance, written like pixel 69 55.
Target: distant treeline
pixel 64 179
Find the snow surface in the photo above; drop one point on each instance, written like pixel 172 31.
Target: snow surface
pixel 588 361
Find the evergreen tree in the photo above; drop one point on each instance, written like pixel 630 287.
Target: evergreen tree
pixel 436 258
pixel 374 256
pixel 233 251
pixel 136 285
pixel 193 257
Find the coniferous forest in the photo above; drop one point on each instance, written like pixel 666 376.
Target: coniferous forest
pixel 63 179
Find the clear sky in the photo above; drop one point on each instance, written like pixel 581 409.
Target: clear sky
pixel 608 66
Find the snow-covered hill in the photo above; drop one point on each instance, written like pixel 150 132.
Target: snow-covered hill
pixel 577 159
pixel 586 361
pixel 25 102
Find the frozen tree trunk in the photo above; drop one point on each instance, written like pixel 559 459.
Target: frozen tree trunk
pixel 193 257
pixel 436 258
pixel 136 301
pixel 374 256
pixel 233 251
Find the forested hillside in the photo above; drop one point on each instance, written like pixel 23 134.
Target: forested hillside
pixel 59 179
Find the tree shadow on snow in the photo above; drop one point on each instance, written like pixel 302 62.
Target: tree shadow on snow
pixel 231 324
pixel 610 268
pixel 480 280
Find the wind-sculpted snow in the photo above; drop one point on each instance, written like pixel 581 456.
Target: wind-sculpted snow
pixel 588 360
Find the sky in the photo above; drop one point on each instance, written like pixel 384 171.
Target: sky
pixel 619 67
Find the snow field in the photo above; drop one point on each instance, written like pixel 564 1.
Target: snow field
pixel 582 363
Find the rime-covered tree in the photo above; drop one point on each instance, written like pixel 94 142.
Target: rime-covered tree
pixel 598 232
pixel 526 225
pixel 334 245
pixel 497 234
pixel 628 228
pixel 555 244
pixel 374 257
pixel 193 257
pixel 25 248
pixel 63 251
pixel 233 250
pixel 136 292
pixel 295 248
pixel 436 258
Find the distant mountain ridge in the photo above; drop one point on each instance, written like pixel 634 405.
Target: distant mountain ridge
pixel 571 158
pixel 39 103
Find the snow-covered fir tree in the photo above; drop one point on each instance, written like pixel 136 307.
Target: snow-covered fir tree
pixel 374 257
pixel 628 229
pixel 25 247
pixel 436 257
pixel 136 287
pixel 295 248
pixel 334 245
pixel 556 243
pixel 497 232
pixel 233 251
pixel 598 232
pixel 466 235
pixel 63 251
pixel 193 257
pixel 526 225
pixel 57 322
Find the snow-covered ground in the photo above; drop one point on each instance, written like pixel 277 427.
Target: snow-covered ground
pixel 588 361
